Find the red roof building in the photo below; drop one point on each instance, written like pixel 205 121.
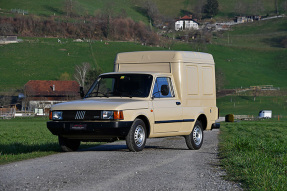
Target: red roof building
pixel 186 23
pixel 42 94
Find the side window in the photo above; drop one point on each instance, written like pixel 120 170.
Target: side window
pixel 163 88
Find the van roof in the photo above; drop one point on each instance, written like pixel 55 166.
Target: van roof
pixel 164 56
pixel 135 72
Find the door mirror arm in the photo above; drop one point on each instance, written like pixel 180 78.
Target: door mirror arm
pixel 82 93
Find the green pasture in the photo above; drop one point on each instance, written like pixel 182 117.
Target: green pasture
pixel 132 8
pixel 245 105
pixel 80 7
pixel 46 59
pixel 255 154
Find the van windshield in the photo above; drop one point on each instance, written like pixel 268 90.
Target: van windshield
pixel 121 85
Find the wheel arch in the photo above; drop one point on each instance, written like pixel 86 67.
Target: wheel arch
pixel 202 118
pixel 146 121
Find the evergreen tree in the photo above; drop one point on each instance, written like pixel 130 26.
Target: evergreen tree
pixel 211 8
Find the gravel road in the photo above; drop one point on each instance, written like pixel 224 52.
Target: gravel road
pixel 165 164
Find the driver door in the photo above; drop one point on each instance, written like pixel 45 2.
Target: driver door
pixel 167 109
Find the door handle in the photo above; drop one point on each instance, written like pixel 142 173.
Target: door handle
pixel 178 103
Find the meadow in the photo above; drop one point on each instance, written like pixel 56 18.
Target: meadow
pixel 132 8
pixel 254 154
pixel 46 59
pixel 240 65
pixel 245 105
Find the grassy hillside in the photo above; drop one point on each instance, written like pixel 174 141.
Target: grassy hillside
pixel 81 7
pixel 242 64
pixel 46 59
pixel 168 8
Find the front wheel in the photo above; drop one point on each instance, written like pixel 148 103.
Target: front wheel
pixel 69 145
pixel 136 137
pixel 195 139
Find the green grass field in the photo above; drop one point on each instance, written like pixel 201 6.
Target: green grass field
pixel 255 154
pixel 81 7
pixel 25 138
pixel 167 8
pixel 245 105
pixel 46 59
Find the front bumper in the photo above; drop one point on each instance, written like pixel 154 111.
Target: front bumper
pixel 90 130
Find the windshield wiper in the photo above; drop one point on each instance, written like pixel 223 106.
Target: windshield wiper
pixel 104 94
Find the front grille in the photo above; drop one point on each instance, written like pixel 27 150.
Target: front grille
pixel 81 115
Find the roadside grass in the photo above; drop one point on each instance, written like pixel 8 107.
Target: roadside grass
pixel 255 154
pixel 26 138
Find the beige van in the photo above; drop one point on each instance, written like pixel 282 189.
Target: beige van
pixel 149 94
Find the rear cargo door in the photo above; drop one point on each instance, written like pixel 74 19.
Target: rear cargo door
pixel 167 109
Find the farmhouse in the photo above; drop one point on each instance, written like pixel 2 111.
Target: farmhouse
pixel 40 95
pixel 186 23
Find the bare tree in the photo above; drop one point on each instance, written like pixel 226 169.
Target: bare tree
pixel 198 9
pixel 152 11
pixel 80 73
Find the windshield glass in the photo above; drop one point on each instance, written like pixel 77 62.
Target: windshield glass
pixel 121 85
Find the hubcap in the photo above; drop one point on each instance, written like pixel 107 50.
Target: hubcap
pixel 139 136
pixel 197 135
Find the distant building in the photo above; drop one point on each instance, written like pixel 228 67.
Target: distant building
pixel 186 23
pixel 40 95
pixel 244 19
pixel 8 39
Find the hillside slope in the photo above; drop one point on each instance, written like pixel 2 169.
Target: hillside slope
pixel 170 8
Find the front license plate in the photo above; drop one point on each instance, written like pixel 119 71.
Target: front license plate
pixel 78 126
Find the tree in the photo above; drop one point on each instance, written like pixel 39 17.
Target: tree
pixel 80 73
pixel 198 9
pixel 152 11
pixel 211 8
pixel 91 76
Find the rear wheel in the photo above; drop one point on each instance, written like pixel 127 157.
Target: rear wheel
pixel 136 137
pixel 195 139
pixel 69 145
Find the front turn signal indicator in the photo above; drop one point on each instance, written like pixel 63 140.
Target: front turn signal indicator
pixel 118 115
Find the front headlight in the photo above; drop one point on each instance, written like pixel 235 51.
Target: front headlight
pixel 57 115
pixel 107 115
pixel 112 115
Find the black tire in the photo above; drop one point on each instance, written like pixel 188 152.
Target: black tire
pixel 69 145
pixel 136 137
pixel 195 139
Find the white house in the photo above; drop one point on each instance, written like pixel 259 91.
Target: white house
pixel 186 23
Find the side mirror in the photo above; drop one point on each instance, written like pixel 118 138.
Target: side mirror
pixel 82 93
pixel 164 90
